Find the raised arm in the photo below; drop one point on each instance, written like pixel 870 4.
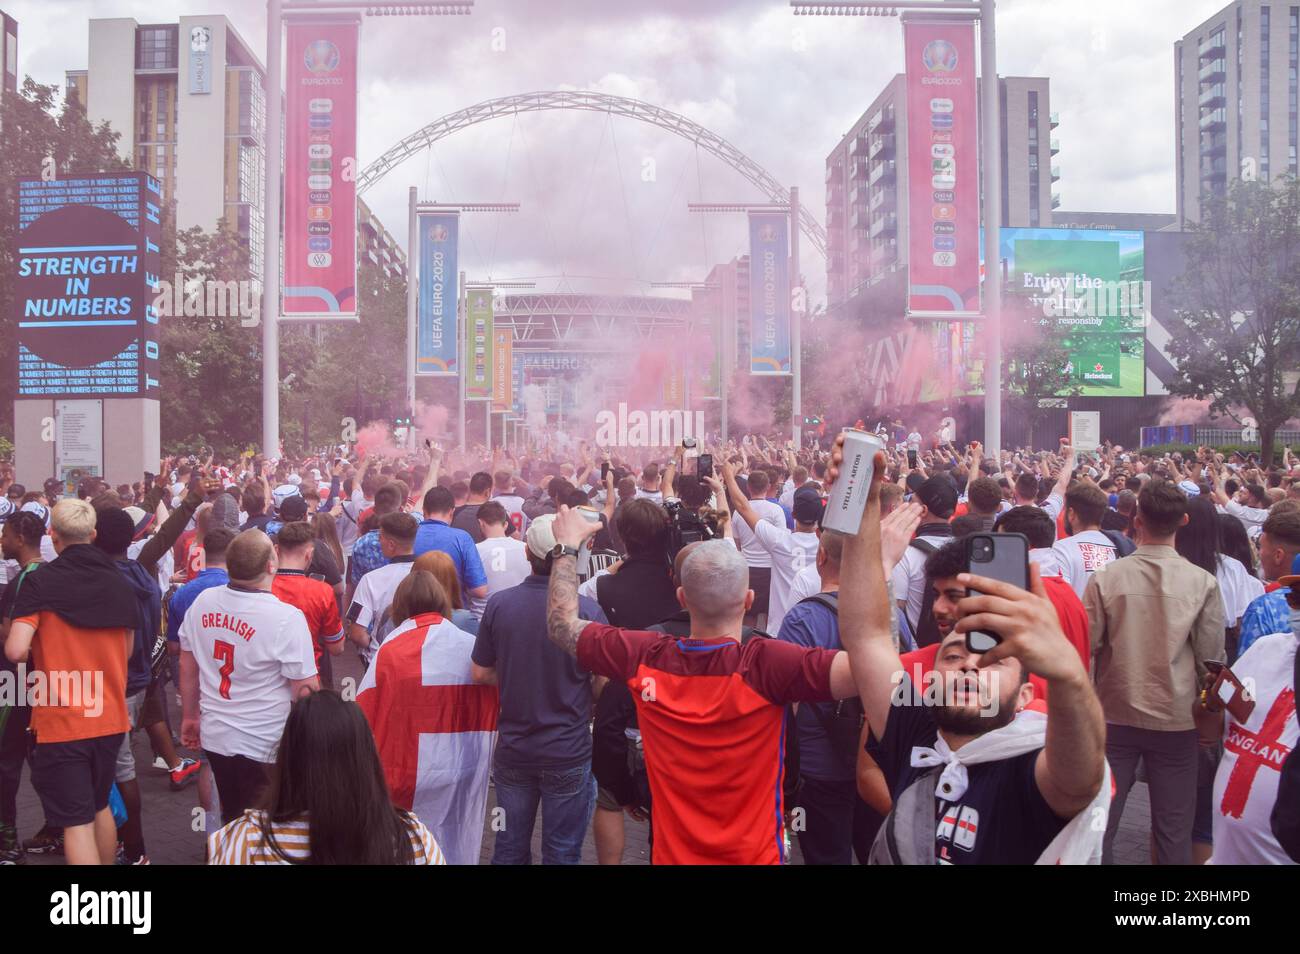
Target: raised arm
pixel 865 606
pixel 562 623
pixel 739 502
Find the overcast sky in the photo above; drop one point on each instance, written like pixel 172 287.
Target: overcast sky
pixel 782 89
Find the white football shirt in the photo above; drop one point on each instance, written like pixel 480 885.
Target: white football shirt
pixel 373 599
pixel 751 548
pixel 1082 555
pixel 249 646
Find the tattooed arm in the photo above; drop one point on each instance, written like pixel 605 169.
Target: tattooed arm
pixel 562 622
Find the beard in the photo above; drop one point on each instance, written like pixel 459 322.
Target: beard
pixel 965 718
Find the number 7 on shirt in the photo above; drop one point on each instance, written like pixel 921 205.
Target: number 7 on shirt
pixel 224 653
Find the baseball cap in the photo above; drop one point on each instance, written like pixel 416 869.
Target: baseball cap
pixel 53 486
pixel 282 493
pixel 39 509
pixel 142 521
pixel 541 537
pixel 293 508
pixel 17 492
pixel 807 506
pixel 294 479
pixel 938 494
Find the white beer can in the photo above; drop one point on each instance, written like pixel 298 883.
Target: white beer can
pixel 848 497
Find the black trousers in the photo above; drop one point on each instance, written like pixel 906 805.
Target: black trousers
pixel 240 782
pixel 14 746
pixel 837 823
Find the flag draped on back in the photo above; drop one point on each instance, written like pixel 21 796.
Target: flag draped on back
pixel 434 730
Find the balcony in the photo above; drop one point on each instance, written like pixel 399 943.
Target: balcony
pixel 1213 71
pixel 1056 172
pixel 882 123
pixel 860 169
pixel 1056 201
pixel 858 147
pixel 1214 46
pixel 1055 145
pixel 832 172
pixel 886 224
pixel 1214 95
pixel 882 147
pixel 858 195
pixel 883 200
pixel 883 173
pixel 1054 119
pixel 1214 120
pixel 859 218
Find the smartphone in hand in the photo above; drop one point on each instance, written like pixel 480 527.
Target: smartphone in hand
pixel 999 556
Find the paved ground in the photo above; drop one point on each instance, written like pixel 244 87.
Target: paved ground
pixel 173 826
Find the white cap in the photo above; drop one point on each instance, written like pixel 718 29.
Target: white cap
pixel 541 537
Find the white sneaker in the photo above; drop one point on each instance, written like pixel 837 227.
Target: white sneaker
pixel 160 763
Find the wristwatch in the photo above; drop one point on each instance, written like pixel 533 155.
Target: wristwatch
pixel 560 550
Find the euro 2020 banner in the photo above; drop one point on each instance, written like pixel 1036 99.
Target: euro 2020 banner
pixel 769 293
pixel 320 193
pixel 436 314
pixel 942 167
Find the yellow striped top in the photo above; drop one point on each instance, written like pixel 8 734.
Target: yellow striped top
pixel 242 842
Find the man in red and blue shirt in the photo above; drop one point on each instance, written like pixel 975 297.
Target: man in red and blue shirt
pixel 711 710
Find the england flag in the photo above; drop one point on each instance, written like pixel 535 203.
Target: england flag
pixel 434 730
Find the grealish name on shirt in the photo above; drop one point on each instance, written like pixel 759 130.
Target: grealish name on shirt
pixel 228 622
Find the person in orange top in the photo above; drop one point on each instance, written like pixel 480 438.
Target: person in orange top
pixel 75 618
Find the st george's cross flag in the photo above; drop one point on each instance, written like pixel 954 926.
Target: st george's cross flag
pixel 434 730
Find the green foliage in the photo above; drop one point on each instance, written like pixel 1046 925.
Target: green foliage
pixel 1036 364
pixel 1238 341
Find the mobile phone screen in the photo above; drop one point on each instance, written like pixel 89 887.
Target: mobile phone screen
pixel 999 556
pixel 704 466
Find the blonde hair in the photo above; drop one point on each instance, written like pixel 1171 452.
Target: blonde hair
pixel 444 570
pixel 73 520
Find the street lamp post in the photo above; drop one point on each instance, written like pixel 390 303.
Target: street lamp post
pixel 991 163
pixel 277 11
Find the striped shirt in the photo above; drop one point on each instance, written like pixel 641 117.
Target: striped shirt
pixel 243 842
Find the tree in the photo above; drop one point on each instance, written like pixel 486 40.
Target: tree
pixel 1036 363
pixel 1237 341
pixel 38 138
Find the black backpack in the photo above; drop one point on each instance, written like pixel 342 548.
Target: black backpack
pixel 1285 820
pixel 927 630
pixel 1123 545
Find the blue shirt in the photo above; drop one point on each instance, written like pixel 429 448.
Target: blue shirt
pixel 457 544
pixel 1264 616
pixel 182 598
pixel 545 694
pixel 367 555
pixel 813 626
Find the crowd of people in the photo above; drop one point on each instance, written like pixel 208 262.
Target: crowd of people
pixel 375 656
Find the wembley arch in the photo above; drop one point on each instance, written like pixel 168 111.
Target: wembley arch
pixel 623 106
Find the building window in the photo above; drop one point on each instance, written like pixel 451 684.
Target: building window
pixel 1293 68
pixel 1263 92
pixel 156 48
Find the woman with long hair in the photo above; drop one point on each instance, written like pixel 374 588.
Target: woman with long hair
pixel 327 535
pixel 327 802
pixel 419 696
pixel 443 568
pixel 1200 541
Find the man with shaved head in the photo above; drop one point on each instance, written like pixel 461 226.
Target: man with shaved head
pixel 711 709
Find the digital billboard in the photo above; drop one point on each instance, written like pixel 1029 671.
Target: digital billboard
pixel 1090 282
pixel 86 262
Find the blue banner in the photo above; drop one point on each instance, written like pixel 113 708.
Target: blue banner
pixel 436 325
pixel 769 293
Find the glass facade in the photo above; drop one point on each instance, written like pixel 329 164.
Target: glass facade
pixel 157 47
pixel 1263 93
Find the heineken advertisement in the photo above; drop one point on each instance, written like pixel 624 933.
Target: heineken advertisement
pixel 1091 283
pixel 478 353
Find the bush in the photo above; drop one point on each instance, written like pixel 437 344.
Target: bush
pixel 1227 450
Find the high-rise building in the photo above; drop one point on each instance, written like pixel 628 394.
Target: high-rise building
pixel 1235 100
pixel 866 181
pixel 8 56
pixel 375 244
pixel 188 100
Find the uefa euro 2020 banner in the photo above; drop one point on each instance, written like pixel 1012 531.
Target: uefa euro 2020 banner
pixel 436 318
pixel 769 293
pixel 320 193
pixel 942 167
